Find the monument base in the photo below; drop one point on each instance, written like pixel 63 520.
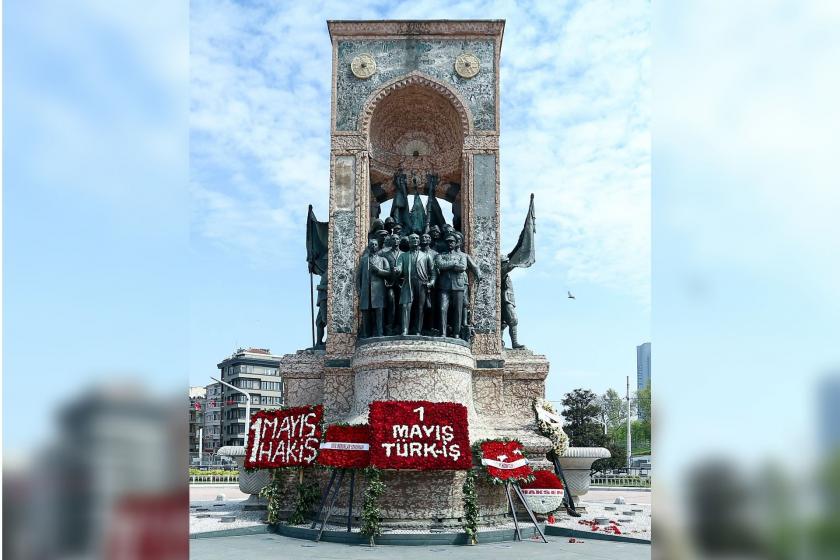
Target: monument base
pixel 498 392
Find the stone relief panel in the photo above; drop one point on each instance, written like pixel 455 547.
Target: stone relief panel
pixel 342 268
pixel 343 188
pixel 485 246
pixel 435 57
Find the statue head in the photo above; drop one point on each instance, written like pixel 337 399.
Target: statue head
pixel 373 246
pixel 448 229
pixel 389 224
pixel 389 241
pixel 397 230
pixel 413 241
pixel 425 240
pixel 459 238
pixel 376 225
pixel 452 242
pixel 380 236
pixel 434 232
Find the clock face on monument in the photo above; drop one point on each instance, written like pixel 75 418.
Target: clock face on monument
pixel 363 66
pixel 467 65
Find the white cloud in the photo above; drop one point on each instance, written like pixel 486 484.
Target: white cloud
pixel 574 126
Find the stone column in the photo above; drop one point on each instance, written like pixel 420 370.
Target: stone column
pixel 349 196
pixel 481 156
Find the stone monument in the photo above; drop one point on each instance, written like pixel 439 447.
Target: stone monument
pixel 415 111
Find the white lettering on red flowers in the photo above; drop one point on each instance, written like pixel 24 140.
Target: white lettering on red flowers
pixel 284 438
pixel 419 435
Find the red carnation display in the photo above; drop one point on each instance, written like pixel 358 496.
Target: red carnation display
pixel 419 435
pixel 504 460
pixel 346 447
pixel 284 438
pixel 544 480
pixel 545 493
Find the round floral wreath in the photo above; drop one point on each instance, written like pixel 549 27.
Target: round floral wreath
pixel 504 460
pixel 544 494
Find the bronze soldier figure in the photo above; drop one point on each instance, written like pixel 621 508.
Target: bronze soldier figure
pixel 452 282
pixel 321 318
pixel 390 253
pixel 370 281
pixel 417 271
pixel 509 318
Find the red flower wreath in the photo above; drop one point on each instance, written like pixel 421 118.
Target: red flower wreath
pixel 419 435
pixel 544 480
pixel 544 494
pixel 504 460
pixel 346 447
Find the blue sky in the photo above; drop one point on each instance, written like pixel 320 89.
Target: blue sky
pixel 120 259
pixel 574 130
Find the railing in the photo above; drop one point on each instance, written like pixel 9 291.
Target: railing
pixel 214 478
pixel 629 481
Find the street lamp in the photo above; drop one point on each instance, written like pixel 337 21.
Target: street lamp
pixel 247 407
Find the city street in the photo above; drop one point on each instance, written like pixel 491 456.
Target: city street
pixel 274 546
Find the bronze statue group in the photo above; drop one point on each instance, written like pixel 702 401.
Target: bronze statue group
pixel 412 278
pixel 414 284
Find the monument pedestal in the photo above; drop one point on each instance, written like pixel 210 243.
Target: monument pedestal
pixel 498 394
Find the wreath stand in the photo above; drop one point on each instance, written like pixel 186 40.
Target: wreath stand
pixel 518 491
pixel 341 473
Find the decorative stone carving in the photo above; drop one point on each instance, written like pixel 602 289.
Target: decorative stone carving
pixel 467 65
pixel 490 28
pixel 397 58
pixel 345 143
pixel 363 66
pixel 416 78
pixel 481 142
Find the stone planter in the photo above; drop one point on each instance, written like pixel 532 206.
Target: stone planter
pixel 577 465
pixel 249 482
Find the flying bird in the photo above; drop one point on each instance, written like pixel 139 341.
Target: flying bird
pixel 570 295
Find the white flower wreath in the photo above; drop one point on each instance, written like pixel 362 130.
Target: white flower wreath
pixel 550 425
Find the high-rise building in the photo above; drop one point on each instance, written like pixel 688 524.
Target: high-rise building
pixel 212 418
pixel 642 369
pixel 257 372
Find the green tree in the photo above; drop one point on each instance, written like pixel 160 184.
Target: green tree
pixel 643 398
pixel 581 412
pixel 613 409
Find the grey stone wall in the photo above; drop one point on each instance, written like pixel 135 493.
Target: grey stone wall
pixel 486 250
pixel 434 57
pixel 342 245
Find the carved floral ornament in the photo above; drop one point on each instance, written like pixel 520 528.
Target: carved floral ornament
pixel 415 79
pixel 363 66
pixel 415 123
